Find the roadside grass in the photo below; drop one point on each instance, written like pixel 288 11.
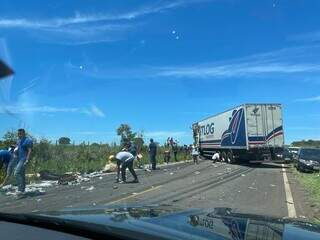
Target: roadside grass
pixel 82 159
pixel 311 182
pixel 61 159
pixel 86 165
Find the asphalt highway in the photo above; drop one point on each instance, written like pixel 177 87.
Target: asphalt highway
pixel 253 188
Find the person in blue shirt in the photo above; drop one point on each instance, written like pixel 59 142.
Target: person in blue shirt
pixel 132 149
pixel 6 159
pixel 24 146
pixel 152 154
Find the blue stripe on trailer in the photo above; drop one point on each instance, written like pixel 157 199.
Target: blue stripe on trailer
pixel 275 132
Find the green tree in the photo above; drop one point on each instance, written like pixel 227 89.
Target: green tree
pixel 10 138
pixel 64 140
pixel 138 141
pixel 95 144
pixel 308 143
pixel 126 134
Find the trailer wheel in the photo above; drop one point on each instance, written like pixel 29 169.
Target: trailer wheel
pixel 223 157
pixel 230 157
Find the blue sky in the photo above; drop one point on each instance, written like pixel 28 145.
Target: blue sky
pixel 84 67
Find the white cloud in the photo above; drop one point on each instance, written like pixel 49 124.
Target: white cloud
pixel 283 61
pixel 79 18
pixel 25 109
pixel 88 28
pixel 77 30
pixel 39 109
pixel 30 85
pixel 311 99
pixel 96 111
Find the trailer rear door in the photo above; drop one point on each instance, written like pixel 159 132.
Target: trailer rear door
pixel 255 125
pixel 264 125
pixel 273 125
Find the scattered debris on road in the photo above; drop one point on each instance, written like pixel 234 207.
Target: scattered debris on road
pixel 90 188
pixel 109 167
pixel 32 189
pixel 47 175
pixel 70 178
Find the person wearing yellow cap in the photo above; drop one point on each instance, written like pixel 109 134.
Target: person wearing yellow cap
pixel 124 161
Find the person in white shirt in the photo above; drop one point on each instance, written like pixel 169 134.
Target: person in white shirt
pixel 216 157
pixel 124 161
pixel 195 155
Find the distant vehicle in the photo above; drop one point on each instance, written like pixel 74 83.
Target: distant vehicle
pixel 247 132
pixel 294 150
pixel 287 156
pixel 308 159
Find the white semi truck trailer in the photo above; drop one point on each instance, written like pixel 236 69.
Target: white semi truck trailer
pixel 250 132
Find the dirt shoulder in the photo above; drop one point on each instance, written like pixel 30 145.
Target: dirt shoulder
pixel 305 188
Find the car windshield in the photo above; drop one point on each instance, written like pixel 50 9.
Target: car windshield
pixel 187 104
pixel 310 154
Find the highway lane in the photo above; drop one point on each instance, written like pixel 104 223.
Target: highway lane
pixel 257 189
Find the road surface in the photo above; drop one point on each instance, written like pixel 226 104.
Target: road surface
pixel 257 189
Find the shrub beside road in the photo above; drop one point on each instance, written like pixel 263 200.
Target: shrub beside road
pixel 83 158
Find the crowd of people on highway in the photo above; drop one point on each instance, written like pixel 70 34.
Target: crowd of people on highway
pixel 16 157
pixel 125 158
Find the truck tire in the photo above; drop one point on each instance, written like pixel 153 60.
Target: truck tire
pixel 230 157
pixel 223 157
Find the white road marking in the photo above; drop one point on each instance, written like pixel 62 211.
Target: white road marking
pixel 289 199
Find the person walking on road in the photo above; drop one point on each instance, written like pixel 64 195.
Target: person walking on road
pixel 153 154
pixel 195 155
pixel 125 160
pixel 166 153
pixel 24 145
pixel 186 151
pixel 175 151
